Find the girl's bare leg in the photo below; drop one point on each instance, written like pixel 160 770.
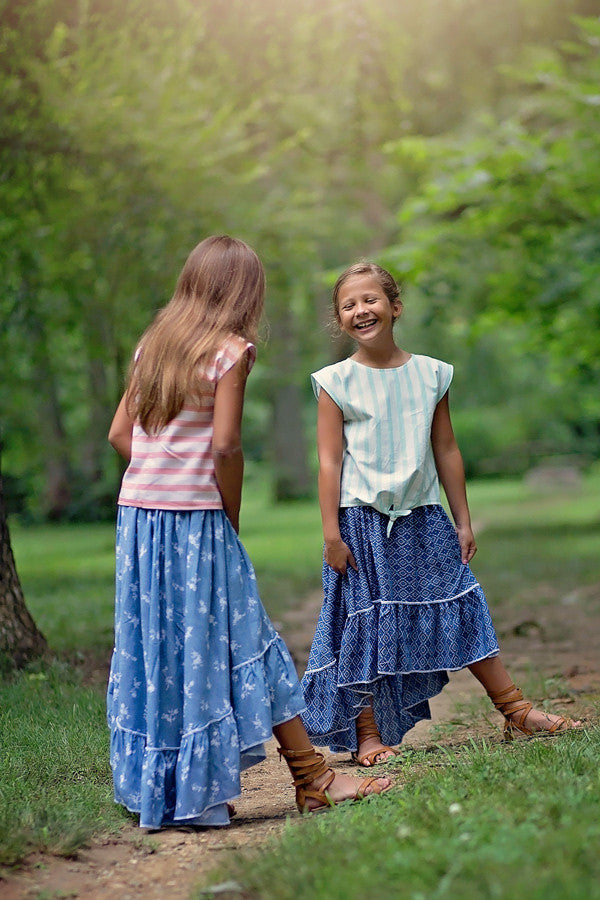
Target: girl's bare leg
pixel 292 736
pixel 492 674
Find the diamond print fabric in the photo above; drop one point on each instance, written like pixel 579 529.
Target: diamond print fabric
pixel 392 630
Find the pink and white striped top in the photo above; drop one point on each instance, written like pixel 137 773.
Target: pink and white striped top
pixel 174 469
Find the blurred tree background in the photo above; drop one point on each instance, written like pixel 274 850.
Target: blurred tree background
pixel 456 141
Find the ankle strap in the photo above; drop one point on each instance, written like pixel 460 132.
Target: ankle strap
pixel 367 728
pixel 305 765
pixel 506 697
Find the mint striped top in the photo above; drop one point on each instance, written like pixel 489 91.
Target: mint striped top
pixel 388 459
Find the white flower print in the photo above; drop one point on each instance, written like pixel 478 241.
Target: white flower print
pixel 180 650
pixel 247 689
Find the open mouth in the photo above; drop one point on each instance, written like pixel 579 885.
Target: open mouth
pixel 361 325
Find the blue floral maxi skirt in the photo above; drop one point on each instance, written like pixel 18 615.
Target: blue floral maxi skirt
pixel 392 630
pixel 199 677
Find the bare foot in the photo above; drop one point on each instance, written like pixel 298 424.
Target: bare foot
pixel 345 787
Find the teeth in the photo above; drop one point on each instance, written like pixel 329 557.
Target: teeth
pixel 366 324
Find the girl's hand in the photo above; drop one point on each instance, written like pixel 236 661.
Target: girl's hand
pixel 339 556
pixel 466 539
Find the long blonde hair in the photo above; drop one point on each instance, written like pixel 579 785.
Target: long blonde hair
pixel 220 292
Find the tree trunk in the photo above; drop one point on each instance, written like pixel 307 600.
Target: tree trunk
pixel 20 639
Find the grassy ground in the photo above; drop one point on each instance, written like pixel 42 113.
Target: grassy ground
pixel 472 821
pixel 67 571
pixel 56 790
pixel 475 822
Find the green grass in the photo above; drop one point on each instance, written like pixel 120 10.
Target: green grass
pixel 55 790
pixel 56 787
pixel 285 543
pixel 541 545
pixel 67 571
pixel 478 822
pixel 67 576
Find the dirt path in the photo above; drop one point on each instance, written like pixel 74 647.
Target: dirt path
pixel 562 640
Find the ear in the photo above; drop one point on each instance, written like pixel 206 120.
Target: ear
pixel 397 307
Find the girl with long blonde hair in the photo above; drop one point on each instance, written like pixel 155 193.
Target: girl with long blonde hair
pixel 199 677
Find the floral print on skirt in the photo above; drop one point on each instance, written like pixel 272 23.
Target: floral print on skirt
pixel 199 676
pixel 392 630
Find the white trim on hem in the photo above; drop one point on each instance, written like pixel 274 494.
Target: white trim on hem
pixel 320 669
pixel 354 684
pixel 259 656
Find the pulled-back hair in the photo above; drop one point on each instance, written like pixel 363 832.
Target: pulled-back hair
pixel 387 282
pixel 220 292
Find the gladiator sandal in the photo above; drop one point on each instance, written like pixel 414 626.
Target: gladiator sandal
pixel 306 766
pixel 515 709
pixel 366 728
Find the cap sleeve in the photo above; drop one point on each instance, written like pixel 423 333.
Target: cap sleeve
pixel 230 353
pixel 444 378
pixel 329 380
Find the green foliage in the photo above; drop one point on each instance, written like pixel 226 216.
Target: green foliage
pixel 131 130
pixel 516 193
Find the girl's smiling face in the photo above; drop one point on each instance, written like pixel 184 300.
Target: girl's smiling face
pixel 364 309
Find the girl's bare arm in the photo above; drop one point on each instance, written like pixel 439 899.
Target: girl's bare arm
pixel 330 425
pixel 227 438
pixel 121 429
pixel 451 470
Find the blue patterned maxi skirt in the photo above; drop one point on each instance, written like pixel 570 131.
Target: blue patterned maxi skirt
pixel 392 630
pixel 199 677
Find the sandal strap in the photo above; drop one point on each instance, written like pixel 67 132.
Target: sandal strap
pixel 510 702
pixel 320 794
pixel 366 783
pixel 511 694
pixel 305 765
pixel 371 758
pixel 366 727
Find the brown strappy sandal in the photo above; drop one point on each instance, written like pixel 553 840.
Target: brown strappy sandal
pixel 366 727
pixel 305 766
pixel 510 703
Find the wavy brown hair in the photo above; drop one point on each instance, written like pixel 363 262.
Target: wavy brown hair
pixel 220 292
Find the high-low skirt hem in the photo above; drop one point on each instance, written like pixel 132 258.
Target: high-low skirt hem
pixel 389 633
